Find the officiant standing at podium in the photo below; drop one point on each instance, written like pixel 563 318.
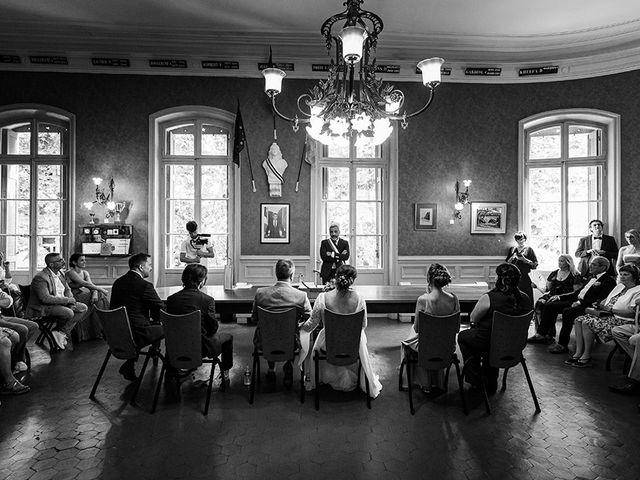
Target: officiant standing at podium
pixel 334 251
pixel 523 257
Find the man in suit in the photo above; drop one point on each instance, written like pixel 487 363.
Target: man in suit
pixel 334 251
pixel 598 286
pixel 281 296
pixel 275 227
pixel 190 299
pixel 143 304
pixel 52 297
pixel 596 244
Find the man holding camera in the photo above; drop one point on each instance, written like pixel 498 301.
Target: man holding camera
pixel 195 247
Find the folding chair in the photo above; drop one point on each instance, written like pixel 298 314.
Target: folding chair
pixel 508 340
pixel 183 349
pixel 277 332
pixel 436 351
pixel 117 333
pixel 342 345
pixel 45 323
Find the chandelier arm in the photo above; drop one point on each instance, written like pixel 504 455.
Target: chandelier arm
pixel 295 120
pixel 308 99
pixel 417 112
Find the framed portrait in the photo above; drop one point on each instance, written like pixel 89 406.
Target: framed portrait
pixel 488 217
pixel 274 218
pixel 425 216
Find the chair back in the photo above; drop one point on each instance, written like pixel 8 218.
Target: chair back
pixel 342 335
pixel 508 339
pixel 183 339
pixel 437 339
pixel 278 332
pixel 117 332
pixel 25 290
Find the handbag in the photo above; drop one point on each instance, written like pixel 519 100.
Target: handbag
pixel 596 312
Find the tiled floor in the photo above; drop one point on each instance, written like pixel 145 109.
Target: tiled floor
pixel 56 432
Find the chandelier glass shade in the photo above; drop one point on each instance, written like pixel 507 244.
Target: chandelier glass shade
pixel 352 102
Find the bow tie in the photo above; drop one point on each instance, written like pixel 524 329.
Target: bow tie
pixel 597 238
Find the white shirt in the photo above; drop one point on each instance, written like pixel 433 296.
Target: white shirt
pixel 58 284
pixel 589 284
pixel 189 250
pixel 596 243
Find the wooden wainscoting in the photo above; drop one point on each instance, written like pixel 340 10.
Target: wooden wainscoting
pixel 104 270
pixel 463 269
pixel 260 269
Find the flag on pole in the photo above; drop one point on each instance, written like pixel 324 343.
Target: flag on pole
pixel 309 152
pixel 240 139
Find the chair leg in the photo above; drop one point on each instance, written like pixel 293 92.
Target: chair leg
pixel 223 384
pixel 139 381
pixel 504 379
pixel 158 386
pixel 27 359
pixel 366 382
pixel 302 384
pixel 484 393
pixel 316 362
pixel 403 363
pixel 209 387
pixel 533 392
pixel 446 378
pixel 410 388
pixel 92 395
pixel 613 351
pixel 252 388
pixel 456 362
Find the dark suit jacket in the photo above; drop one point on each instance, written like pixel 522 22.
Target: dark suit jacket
pixel 596 293
pixel 142 302
pixel 609 246
pixel 43 293
pixel 329 262
pixel 189 300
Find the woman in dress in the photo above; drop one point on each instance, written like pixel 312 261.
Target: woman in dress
pixel 85 291
pixel 525 259
pixel 435 302
pixel 343 299
pixel 475 343
pixel 630 253
pixel 560 285
pixel 617 309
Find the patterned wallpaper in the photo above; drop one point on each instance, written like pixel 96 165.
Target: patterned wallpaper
pixel 469 132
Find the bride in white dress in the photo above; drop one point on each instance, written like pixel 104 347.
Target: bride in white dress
pixel 341 300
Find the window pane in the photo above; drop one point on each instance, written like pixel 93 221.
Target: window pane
pixel 18 138
pixel 368 217
pixel 584 141
pixel 50 139
pixel 214 140
pixel 545 218
pixel 545 184
pixel 180 140
pixel 337 151
pixel 369 184
pixel 580 214
pixel 179 212
pixel 49 217
pixel 547 250
pixel 584 183
pixel 368 252
pixel 219 243
pixel 338 212
pixel 15 217
pixel 367 151
pixel 17 181
pixel 49 182
pixel 17 253
pixel 335 183
pixel 173 244
pixel 180 182
pixel 214 181
pixel 545 143
pixel 213 217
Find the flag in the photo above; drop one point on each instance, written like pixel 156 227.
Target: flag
pixel 309 150
pixel 239 140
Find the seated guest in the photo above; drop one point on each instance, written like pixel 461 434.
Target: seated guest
pixel 560 285
pixel 343 300
pixel 435 302
pixel 8 384
pixel 628 338
pixel 52 297
pixel 598 286
pixel 23 327
pixel 630 253
pixel 143 304
pixel 523 257
pixel 618 309
pixel 6 278
pixel 475 343
pixel 277 297
pixel 84 291
pixel 190 299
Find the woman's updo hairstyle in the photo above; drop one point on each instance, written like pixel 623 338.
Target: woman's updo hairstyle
pixel 438 275
pixel 345 276
pixel 507 279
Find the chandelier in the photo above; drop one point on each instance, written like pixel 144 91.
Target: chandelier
pixel 341 107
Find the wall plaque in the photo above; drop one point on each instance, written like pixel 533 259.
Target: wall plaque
pixel 10 59
pixel 168 63
pixel 48 60
pixel 531 71
pixel 483 71
pixel 110 62
pixel 220 64
pixel 287 67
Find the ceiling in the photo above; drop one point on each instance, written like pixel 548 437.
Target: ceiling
pixel 583 38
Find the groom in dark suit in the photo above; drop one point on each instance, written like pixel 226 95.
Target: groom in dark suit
pixel 143 304
pixel 596 244
pixel 334 251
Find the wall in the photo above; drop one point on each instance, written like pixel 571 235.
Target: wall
pixel 469 132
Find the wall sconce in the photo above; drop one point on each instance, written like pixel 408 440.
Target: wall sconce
pixel 462 198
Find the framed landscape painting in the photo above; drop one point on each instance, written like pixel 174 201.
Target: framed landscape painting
pixel 488 217
pixel 425 216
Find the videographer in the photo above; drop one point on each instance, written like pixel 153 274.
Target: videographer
pixel 196 246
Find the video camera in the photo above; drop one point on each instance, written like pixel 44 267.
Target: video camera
pixel 201 240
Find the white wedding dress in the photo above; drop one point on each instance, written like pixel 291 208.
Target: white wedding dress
pixel 342 378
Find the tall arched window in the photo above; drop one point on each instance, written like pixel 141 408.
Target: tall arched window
pixel 36 149
pixel 195 180
pixel 569 166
